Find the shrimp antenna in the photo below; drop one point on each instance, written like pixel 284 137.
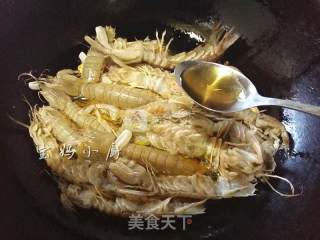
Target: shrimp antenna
pixel 29 105
pixel 265 177
pixel 44 74
pixel 81 43
pixel 30 110
pixel 27 102
pixel 40 97
pixel 27 77
pixel 18 122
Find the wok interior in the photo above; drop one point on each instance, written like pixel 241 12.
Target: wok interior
pixel 268 54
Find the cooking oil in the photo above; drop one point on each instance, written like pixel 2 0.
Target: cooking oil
pixel 211 86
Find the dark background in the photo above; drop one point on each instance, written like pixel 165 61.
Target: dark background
pixel 279 51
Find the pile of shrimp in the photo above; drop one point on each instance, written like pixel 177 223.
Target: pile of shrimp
pixel 123 138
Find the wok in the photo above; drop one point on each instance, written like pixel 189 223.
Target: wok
pixel 279 51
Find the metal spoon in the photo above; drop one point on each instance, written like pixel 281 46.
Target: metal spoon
pixel 250 97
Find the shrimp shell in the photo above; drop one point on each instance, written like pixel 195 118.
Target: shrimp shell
pixel 92 68
pixel 137 79
pixel 121 96
pixel 177 138
pixel 274 128
pixel 76 171
pixel 65 132
pixel 269 125
pixel 167 109
pixel 219 41
pixel 145 77
pixel 107 37
pixel 108 111
pixel 82 172
pixel 162 161
pixel 128 171
pixel 42 138
pixel 89 197
pixel 62 102
pixel 236 162
pixel 202 187
pixel 61 127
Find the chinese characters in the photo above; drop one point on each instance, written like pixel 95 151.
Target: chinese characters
pixel 152 222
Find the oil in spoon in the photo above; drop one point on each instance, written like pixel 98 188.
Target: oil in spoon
pixel 213 87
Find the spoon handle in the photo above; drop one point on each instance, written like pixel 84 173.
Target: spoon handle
pixel 315 110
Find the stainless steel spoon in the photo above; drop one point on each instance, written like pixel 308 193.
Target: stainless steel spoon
pixel 250 97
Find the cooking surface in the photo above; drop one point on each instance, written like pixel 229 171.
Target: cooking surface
pixel 279 52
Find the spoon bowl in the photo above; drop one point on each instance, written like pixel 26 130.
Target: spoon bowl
pixel 249 96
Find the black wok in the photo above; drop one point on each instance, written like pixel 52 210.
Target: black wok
pixel 279 51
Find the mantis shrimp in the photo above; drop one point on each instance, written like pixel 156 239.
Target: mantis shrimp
pixel 93 68
pixel 76 170
pixel 89 197
pixel 66 132
pixel 162 161
pixel 118 95
pixel 268 124
pixel 194 186
pixel 219 41
pixel 61 101
pixel 177 138
pixel 146 77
